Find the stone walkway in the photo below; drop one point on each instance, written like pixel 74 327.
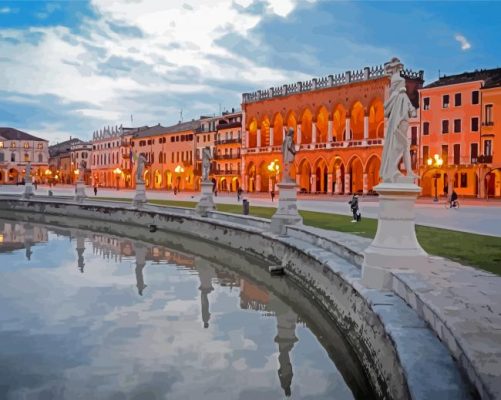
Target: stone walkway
pixel 461 304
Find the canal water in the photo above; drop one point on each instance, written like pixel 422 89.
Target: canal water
pixel 87 315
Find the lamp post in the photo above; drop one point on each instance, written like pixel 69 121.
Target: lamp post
pixel 435 162
pixel 117 171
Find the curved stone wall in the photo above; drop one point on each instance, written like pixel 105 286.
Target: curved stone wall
pixel 402 358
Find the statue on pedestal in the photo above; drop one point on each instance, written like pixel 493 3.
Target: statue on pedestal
pixel 141 162
pixel 81 170
pixel 398 109
pixel 206 158
pixel 288 153
pixel 27 176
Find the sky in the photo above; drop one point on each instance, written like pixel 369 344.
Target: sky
pixel 68 68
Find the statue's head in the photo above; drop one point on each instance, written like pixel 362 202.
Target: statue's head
pixel 291 132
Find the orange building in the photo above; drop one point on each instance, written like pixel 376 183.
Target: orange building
pixel 228 143
pixel 450 113
pixel 170 154
pixel 490 138
pixel 205 137
pixel 338 124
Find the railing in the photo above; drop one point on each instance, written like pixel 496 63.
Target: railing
pixel 226 156
pixel 227 141
pixel 365 74
pixel 318 146
pixel 232 171
pixel 488 123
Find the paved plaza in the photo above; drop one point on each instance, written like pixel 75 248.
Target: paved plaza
pixel 476 216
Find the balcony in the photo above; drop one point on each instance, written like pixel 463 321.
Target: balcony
pixel 227 156
pixel 488 123
pixel 228 141
pixel 482 160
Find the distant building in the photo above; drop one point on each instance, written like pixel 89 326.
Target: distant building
pixel 17 148
pixel 457 123
pixel 111 164
pixel 170 153
pixel 61 167
pixel 80 155
pixel 205 136
pixel 228 151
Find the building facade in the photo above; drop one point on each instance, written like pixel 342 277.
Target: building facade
pixel 62 167
pixel 227 154
pixel 205 136
pixel 490 139
pixel 80 155
pixel 170 152
pixel 338 124
pixel 453 129
pixel 17 149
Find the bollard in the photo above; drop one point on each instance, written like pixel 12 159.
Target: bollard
pixel 50 193
pixel 245 205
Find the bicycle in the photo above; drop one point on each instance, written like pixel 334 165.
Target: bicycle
pixel 452 204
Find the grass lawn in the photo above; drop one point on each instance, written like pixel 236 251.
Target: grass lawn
pixel 467 248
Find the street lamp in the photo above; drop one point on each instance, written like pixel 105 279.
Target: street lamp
pixel 178 170
pixel 117 171
pixel 435 162
pixel 274 168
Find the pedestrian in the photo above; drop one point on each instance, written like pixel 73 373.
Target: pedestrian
pixel 175 190
pixel 272 193
pixel 357 216
pixel 35 183
pixel 95 190
pixel 215 192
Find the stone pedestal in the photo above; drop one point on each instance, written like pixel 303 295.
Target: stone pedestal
pixel 28 190
pixel 206 202
pixel 140 197
pixel 80 191
pixel 287 213
pixel 395 245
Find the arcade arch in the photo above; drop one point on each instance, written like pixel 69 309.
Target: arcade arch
pixel 306 123
pixel 278 126
pixel 376 119
pixel 322 125
pixel 356 171
pixel 303 178
pixel 338 122
pixel 357 114
pixel 372 167
pixel 252 139
pixel 319 182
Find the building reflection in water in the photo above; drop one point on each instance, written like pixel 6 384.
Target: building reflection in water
pixel 15 236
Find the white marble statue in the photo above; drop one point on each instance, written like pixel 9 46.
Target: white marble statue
pixel 81 170
pixel 27 176
pixel 288 152
pixel 206 158
pixel 141 161
pixel 398 109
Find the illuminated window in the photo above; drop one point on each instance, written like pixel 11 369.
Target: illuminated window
pixel 26 145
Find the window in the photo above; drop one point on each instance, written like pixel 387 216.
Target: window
pixel 457 126
pixel 149 141
pixel 426 153
pixel 172 158
pixel 1 145
pixel 414 135
pixel 464 179
pixel 474 124
pixel 13 145
pixel 488 115
pixel 426 128
pixel 426 103
pixel 473 152
pixel 457 99
pixel 26 157
pixel 445 101
pixel 1 157
pixel 457 154
pixel 445 154
pixel 445 126
pixel 13 157
pixel 26 145
pixel 474 97
pixel 488 148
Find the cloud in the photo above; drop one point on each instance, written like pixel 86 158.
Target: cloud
pixel 6 10
pixel 465 45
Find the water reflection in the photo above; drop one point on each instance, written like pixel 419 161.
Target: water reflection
pixel 251 354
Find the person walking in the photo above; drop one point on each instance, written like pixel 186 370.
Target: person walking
pixel 272 193
pixel 355 209
pixel 35 183
pixel 95 190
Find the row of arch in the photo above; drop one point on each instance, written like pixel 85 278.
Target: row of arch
pixel 315 125
pixel 321 176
